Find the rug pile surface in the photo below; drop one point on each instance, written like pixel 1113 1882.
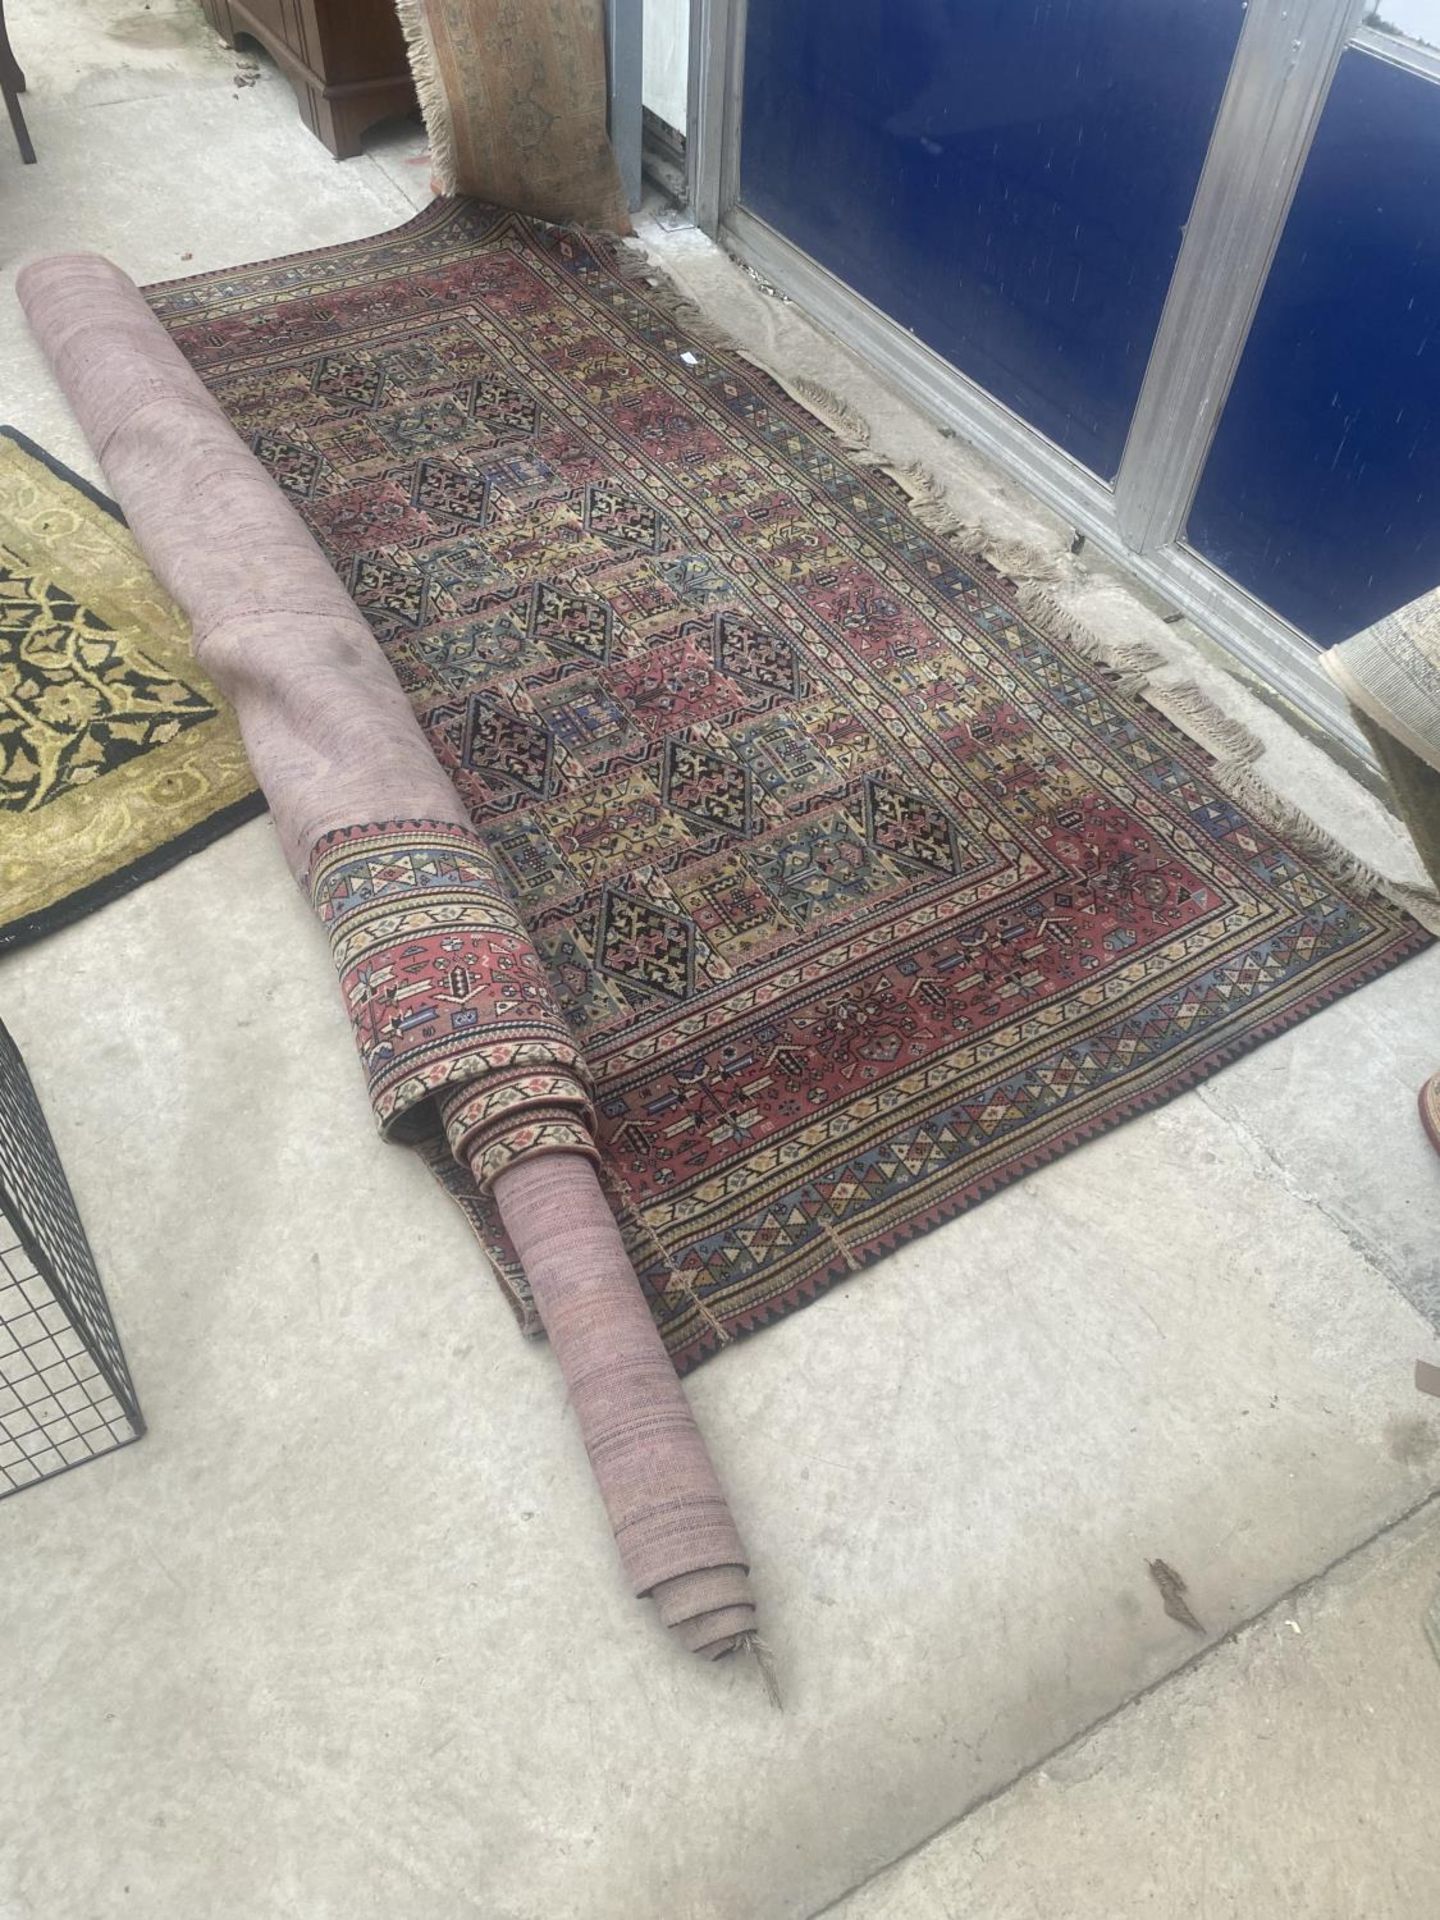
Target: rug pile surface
pixel 862 895
pixel 117 756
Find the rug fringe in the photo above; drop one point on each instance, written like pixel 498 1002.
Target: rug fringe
pixel 633 263
pixel 1133 663
pixel 1197 716
pixel 1253 792
pixel 430 92
pixel 764 1659
pixel 677 1283
pixel 849 426
pixel 932 506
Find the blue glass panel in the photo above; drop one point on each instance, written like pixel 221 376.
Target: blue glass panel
pixel 1322 491
pixel 1009 178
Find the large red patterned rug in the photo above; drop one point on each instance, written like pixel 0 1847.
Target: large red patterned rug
pixel 864 894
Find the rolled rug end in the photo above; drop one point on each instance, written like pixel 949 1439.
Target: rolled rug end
pixel 710 1611
pixel 673 1528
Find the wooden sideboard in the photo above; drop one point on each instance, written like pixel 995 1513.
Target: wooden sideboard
pixel 344 58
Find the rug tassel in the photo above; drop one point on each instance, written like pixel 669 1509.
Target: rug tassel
pixel 842 419
pixel 1251 791
pixel 841 1248
pixel 633 264
pixel 631 259
pixel 677 1283
pixel 1421 903
pixel 1134 663
pixel 1133 660
pixel 932 506
pixel 439 126
pixel 752 1644
pixel 1198 717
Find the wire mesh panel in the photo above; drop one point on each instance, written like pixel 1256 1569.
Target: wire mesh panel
pixel 65 1390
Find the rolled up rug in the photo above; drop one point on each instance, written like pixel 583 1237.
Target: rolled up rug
pixel 514 101
pixel 1430 1110
pixel 1390 674
pixel 450 1005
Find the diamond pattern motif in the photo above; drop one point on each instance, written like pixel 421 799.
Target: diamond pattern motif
pixel 909 826
pixel 570 622
pixel 505 410
pixel 752 653
pixel 453 492
pixel 507 746
pixel 707 787
pixel 622 519
pixel 349 380
pixel 293 467
pixel 385 588
pixel 644 945
pixel 433 423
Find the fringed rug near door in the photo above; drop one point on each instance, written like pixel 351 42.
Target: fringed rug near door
pixel 864 892
pixel 117 757
pixel 513 93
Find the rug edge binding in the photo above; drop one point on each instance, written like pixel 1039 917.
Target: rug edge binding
pixel 1232 745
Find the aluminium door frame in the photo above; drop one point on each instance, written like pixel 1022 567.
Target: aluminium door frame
pixel 1284 63
pixel 1400 52
pixel 624 84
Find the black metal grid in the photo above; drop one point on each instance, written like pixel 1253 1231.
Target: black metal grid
pixel 65 1390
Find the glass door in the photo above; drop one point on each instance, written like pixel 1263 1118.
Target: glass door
pixel 1009 182
pixel 1054 223
pixel 1321 493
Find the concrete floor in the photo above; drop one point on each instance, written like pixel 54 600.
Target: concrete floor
pixel 345 1637
pixel 1293 1774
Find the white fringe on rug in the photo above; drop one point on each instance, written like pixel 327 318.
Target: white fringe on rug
pixel 434 108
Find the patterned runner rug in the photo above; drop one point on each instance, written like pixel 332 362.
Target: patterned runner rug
pixel 864 893
pixel 116 756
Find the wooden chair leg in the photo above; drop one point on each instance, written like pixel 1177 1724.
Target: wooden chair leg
pixel 12 85
pixel 17 118
pixel 9 65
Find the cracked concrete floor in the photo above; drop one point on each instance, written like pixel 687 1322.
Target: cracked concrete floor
pixel 344 1635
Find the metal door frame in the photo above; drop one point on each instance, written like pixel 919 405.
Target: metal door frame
pixel 1283 67
pixel 624 76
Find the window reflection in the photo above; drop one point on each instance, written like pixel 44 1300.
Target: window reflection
pixel 1417 21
